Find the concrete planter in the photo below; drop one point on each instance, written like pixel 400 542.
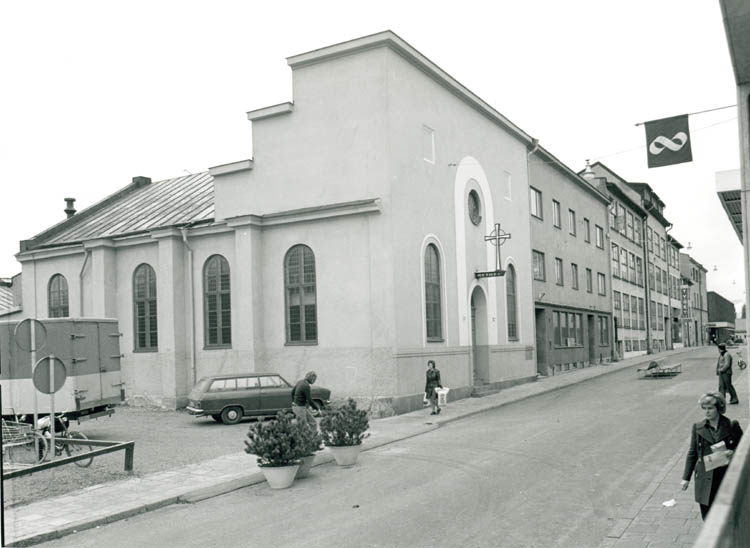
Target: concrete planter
pixel 304 469
pixel 345 455
pixel 280 477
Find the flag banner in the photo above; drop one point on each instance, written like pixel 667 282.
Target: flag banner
pixel 668 141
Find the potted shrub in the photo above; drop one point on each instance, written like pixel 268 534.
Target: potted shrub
pixel 343 430
pixel 276 444
pixel 309 441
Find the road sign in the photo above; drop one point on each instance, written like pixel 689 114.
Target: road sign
pixel 30 335
pixel 49 374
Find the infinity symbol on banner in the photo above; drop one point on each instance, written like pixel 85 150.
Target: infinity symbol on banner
pixel 674 144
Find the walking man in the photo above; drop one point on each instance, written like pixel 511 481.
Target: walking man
pixel 302 399
pixel 724 371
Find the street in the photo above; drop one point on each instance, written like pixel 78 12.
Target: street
pixel 549 471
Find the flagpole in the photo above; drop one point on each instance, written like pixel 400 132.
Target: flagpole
pixel 697 112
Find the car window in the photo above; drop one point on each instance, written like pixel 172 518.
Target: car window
pixel 247 382
pixel 222 385
pixel 270 381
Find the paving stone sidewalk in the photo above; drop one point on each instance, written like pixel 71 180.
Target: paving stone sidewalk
pixel 100 504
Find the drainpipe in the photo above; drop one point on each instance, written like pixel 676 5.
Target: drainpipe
pixel 646 286
pixel 87 252
pixel 669 293
pixel 191 314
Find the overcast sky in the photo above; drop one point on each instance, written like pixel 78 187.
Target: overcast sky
pixel 94 93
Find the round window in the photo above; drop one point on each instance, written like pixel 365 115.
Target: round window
pixel 475 208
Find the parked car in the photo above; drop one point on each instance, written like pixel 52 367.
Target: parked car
pixel 229 398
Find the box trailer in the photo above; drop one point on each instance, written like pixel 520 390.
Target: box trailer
pixel 89 349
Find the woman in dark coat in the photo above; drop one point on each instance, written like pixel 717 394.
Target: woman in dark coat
pixel 433 382
pixel 713 429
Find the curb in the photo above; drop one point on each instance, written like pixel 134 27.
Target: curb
pixel 222 488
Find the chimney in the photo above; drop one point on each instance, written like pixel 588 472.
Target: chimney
pixel 140 181
pixel 69 209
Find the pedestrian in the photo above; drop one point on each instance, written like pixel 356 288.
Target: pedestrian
pixel 431 384
pixel 713 429
pixel 302 399
pixel 724 371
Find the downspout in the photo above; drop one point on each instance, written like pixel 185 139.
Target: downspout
pixel 646 286
pixel 193 369
pixel 669 293
pixel 86 254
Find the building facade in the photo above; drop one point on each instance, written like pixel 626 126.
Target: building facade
pixel 674 279
pixel 572 303
pixel 721 318
pixel 353 242
pixel 694 301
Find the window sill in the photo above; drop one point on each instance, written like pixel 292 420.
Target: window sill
pixel 433 340
pixel 217 347
pixel 301 343
pixel 145 350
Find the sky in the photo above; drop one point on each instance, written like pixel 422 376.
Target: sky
pixel 95 93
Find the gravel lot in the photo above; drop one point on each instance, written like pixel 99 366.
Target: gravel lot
pixel 163 440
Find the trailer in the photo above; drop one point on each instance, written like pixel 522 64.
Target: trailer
pixel 89 349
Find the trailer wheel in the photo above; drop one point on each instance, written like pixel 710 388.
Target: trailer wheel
pixel 73 449
pixel 231 415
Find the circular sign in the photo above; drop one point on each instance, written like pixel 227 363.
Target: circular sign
pixel 22 335
pixel 42 374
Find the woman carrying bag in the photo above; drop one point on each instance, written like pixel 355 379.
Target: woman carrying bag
pixel 431 384
pixel 712 445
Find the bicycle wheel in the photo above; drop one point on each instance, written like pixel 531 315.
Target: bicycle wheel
pixel 26 454
pixel 73 449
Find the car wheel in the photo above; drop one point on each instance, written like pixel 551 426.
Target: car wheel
pixel 231 415
pixel 217 418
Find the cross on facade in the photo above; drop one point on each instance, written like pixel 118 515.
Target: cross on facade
pixel 498 237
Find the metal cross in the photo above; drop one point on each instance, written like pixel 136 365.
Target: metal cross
pixel 498 237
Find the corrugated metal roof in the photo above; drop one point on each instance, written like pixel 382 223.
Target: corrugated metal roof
pixel 6 298
pixel 155 205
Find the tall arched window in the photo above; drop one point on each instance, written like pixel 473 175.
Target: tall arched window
pixel 217 302
pixel 301 300
pixel 57 297
pixel 144 309
pixel 433 310
pixel 510 293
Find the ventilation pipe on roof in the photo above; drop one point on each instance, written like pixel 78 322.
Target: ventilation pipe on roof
pixel 69 209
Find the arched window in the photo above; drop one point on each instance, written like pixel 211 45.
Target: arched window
pixel 217 302
pixel 301 300
pixel 144 309
pixel 433 310
pixel 57 297
pixel 510 293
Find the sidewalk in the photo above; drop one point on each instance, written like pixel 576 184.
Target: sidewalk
pixel 105 503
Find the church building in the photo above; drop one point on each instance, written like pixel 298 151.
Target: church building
pixel 380 221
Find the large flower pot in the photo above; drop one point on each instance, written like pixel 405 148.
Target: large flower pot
pixel 280 477
pixel 345 455
pixel 304 468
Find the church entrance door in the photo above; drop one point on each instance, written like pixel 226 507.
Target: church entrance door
pixel 480 350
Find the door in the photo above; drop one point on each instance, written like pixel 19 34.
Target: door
pixel 275 394
pixel 480 350
pixel 248 391
pixel 541 342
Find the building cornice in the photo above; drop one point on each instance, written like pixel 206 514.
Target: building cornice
pixel 357 207
pixel 233 167
pixel 268 112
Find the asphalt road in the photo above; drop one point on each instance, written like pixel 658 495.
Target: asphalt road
pixel 550 471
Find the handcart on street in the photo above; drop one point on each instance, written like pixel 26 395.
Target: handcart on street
pixel 657 368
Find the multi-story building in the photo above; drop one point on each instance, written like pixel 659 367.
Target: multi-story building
pixel 693 297
pixel 570 267
pixel 657 290
pixel 626 250
pixel 673 277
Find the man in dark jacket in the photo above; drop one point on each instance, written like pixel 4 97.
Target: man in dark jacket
pixel 724 371
pixel 302 399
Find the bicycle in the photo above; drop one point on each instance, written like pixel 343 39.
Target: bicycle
pixel 22 445
pixel 740 362
pixel 62 432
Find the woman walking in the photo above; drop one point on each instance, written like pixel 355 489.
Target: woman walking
pixel 431 384
pixel 714 429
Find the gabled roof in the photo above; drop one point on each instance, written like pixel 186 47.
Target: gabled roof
pixel 140 207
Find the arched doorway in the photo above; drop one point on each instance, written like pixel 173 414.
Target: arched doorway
pixel 480 350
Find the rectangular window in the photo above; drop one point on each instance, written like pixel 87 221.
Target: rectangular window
pixel 642 313
pixel 556 328
pixel 624 264
pixel 657 247
pixel 536 203
pixel 612 210
pixel 603 330
pixel 428 136
pixel 508 186
pixel 579 329
pixel 638 232
pixel 558 271
pixel 574 275
pixel 599 237
pixel 630 226
pixel 556 214
pixel 572 222
pixel 626 311
pixel 658 279
pixel 652 310
pixel 615 260
pixel 586 230
pixel 663 248
pixel 538 257
pixel 621 219
pixel 633 274
pixel 617 300
pixel 650 237
pixel 651 275
pixel 589 281
pixel 639 271
pixel 601 283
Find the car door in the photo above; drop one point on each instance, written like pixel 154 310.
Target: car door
pixel 275 394
pixel 248 389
